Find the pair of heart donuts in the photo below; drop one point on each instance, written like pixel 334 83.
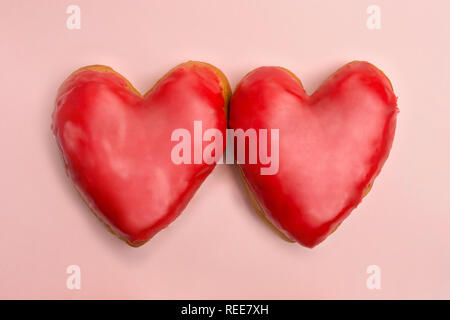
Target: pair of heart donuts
pixel 116 143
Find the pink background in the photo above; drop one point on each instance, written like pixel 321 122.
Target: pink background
pixel 219 248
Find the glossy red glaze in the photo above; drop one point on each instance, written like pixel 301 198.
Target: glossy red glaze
pixel 117 144
pixel 332 144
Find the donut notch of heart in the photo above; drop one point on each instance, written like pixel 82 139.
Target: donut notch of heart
pixel 332 145
pixel 116 145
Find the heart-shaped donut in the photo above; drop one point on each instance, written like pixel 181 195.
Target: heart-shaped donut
pixel 332 144
pixel 117 144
